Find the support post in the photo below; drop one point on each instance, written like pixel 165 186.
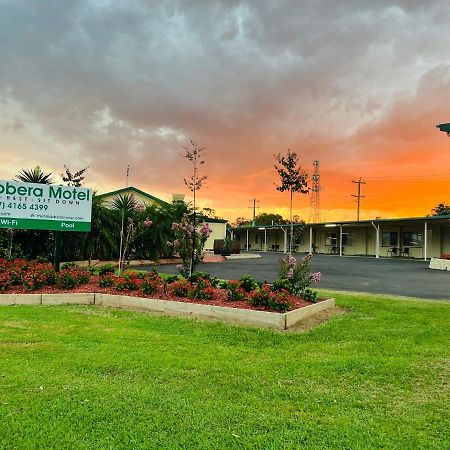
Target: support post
pixel 265 239
pixel 285 240
pixel 425 241
pixel 340 240
pixel 58 245
pixel 377 248
pixel 247 240
pixel 310 240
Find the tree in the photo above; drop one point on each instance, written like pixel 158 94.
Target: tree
pixel 35 175
pixel 73 179
pixel 293 179
pixel 194 154
pixel 442 209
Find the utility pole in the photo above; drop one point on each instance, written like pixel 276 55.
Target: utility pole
pixel 314 210
pixel 122 228
pixel 254 207
pixel 358 196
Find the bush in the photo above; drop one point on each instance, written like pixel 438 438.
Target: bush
pixel 66 279
pixel 38 275
pixel 202 290
pixel 268 299
pixel 106 281
pixel 181 288
pixel 151 284
pixel 128 282
pixel 106 269
pixel 445 256
pixel 282 284
pixel 172 279
pixel 310 295
pixel 72 277
pixel 5 281
pixel 234 291
pixel 248 283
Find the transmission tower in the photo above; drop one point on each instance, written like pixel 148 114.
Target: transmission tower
pixel 314 211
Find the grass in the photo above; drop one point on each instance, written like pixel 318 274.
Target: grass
pixel 85 377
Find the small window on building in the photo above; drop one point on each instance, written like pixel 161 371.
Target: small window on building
pixel 256 238
pixel 347 239
pixel 389 239
pixel 331 239
pixel 412 239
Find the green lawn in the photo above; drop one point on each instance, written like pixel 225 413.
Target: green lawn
pixel 85 377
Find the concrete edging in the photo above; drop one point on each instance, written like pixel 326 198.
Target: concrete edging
pixel 264 319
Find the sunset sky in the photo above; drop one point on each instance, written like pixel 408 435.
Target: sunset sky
pixel 358 85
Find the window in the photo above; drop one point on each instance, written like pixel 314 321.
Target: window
pixel 389 239
pixel 412 239
pixel 256 238
pixel 331 239
pixel 347 239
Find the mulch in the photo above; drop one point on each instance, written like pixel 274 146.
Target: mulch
pixel 92 286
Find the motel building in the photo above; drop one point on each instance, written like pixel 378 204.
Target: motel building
pixel 218 227
pixel 414 237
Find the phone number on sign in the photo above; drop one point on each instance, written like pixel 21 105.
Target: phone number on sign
pixel 13 205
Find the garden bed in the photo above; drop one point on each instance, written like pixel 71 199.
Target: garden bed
pixel 183 307
pixel 200 295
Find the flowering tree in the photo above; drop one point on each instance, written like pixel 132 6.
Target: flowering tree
pixel 293 179
pixel 298 274
pixel 194 154
pixel 185 235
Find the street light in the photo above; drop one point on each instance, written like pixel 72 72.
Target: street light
pixel 445 127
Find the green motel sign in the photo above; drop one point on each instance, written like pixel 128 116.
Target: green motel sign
pixel 32 206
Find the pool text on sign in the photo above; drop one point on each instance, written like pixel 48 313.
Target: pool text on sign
pixel 44 206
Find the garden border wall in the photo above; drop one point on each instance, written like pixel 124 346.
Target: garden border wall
pixel 264 319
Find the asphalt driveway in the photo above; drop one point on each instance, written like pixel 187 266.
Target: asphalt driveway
pixel 379 276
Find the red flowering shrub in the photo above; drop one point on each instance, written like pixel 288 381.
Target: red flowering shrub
pixel 235 292
pixel 269 299
pixel 181 288
pixel 106 280
pixel 37 275
pixel 5 281
pixel 445 256
pixel 202 290
pixel 72 277
pixel 128 282
pixel 151 283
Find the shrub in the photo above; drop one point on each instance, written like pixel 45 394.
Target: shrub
pixel 72 277
pixel 106 269
pixel 281 284
pixel 68 265
pixel 310 295
pixel 128 282
pixel 172 279
pixel 38 275
pixel 5 281
pixel 202 290
pixel 248 283
pixel 234 291
pixel 298 274
pixel 151 284
pixel 445 256
pixel 106 281
pixel 66 279
pixel 268 299
pixel 181 288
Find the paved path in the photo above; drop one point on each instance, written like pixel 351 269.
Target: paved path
pixel 381 276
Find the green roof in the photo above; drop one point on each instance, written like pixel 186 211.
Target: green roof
pixel 135 190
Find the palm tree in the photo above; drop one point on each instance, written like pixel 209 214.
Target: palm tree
pixel 35 175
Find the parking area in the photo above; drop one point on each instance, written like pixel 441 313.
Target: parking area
pixel 410 278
